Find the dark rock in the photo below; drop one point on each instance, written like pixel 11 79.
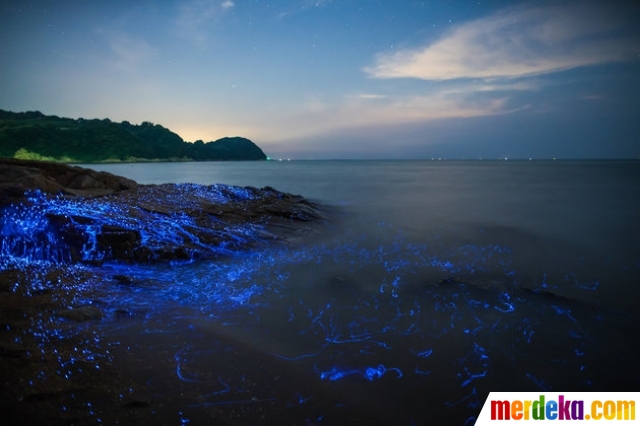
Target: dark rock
pixel 120 242
pixel 123 313
pixel 13 353
pixel 136 404
pixel 123 279
pixel 18 176
pixel 82 313
pixel 101 217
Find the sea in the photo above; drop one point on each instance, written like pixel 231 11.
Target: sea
pixel 428 285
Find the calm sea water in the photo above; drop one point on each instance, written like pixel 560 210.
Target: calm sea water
pixel 431 284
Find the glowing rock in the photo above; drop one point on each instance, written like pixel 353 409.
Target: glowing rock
pixel 135 223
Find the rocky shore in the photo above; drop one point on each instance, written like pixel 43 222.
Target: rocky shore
pixel 69 214
pixel 59 226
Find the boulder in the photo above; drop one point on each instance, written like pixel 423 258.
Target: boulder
pixel 18 176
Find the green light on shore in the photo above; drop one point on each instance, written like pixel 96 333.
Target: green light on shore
pixel 268 158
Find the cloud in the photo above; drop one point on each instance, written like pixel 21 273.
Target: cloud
pixel 301 6
pixel 196 16
pixel 592 97
pixel 317 115
pixel 128 52
pixel 486 67
pixel 317 3
pixel 516 42
pixel 367 96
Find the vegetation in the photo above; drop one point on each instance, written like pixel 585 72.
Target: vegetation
pixel 33 135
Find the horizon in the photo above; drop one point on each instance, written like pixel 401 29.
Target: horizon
pixel 269 158
pixel 341 79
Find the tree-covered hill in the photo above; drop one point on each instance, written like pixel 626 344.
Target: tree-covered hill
pixel 33 135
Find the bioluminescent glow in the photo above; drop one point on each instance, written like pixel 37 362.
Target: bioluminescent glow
pixel 369 373
pixel 355 311
pixel 63 229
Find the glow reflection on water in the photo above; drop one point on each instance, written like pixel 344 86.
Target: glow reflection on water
pixel 372 323
pixel 355 311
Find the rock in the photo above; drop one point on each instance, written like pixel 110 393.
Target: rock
pixel 133 404
pixel 81 215
pixel 18 176
pixel 123 279
pixel 82 313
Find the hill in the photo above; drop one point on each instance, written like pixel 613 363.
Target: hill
pixel 33 135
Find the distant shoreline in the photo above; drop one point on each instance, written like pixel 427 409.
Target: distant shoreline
pixel 154 160
pixel 35 136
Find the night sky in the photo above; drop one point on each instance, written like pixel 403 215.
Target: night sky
pixel 341 78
